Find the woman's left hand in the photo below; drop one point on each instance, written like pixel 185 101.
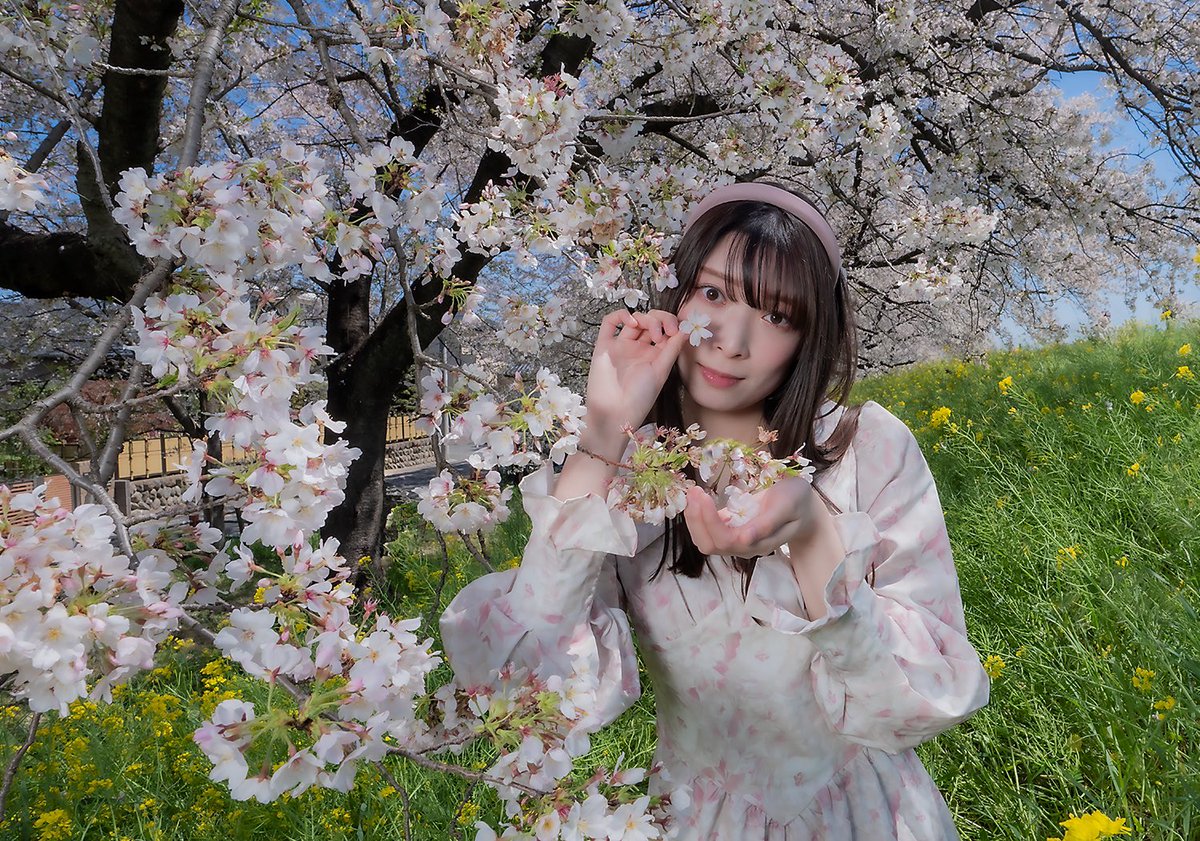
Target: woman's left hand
pixel 787 512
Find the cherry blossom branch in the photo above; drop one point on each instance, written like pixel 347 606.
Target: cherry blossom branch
pixel 202 81
pixel 139 71
pixel 387 775
pixel 458 770
pixel 104 468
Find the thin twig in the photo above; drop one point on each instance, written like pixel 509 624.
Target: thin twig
pixel 11 770
pixel 139 71
pixel 458 770
pixel 387 775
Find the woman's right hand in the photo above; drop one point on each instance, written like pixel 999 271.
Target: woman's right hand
pixel 633 357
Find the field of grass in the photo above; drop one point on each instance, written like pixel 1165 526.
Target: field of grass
pixel 1070 477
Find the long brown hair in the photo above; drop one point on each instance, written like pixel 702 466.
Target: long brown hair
pixel 783 268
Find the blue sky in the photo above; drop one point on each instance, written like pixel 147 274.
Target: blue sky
pixel 1129 136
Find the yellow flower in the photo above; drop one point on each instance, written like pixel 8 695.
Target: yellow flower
pixel 939 417
pixel 1142 679
pixel 1123 561
pixel 54 826
pixel 1067 553
pixel 1164 706
pixel 1092 827
pixel 1184 350
pixel 1137 396
pixel 468 813
pixel 1183 372
pixel 993 665
pixel 1020 652
pixel 1165 315
pixel 1133 469
pixel 1005 384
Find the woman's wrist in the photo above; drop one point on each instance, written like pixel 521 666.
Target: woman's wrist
pixel 603 442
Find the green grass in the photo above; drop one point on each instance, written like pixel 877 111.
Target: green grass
pixel 1076 570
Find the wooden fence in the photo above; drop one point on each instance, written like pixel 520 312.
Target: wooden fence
pixel 143 458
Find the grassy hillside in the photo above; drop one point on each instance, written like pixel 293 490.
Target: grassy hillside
pixel 1070 478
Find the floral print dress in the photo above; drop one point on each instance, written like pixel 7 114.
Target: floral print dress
pixel 777 727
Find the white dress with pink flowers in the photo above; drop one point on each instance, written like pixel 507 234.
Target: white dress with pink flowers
pixel 780 727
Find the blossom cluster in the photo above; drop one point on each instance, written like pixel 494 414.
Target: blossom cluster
pixel 548 417
pixel 527 327
pixel 628 265
pixel 464 504
pixel 364 689
pixel 653 484
pixel 274 213
pixel 541 725
pixel 539 119
pixel 74 612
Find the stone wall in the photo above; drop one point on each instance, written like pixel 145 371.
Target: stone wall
pixel 415 452
pixel 155 493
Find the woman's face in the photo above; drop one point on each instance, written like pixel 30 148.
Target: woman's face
pixel 750 352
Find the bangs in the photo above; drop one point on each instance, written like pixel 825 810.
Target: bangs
pixel 766 279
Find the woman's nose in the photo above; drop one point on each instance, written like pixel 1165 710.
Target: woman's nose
pixel 731 333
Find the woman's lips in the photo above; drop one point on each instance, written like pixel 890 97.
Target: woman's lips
pixel 718 380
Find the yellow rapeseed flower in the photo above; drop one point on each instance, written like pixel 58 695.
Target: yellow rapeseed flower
pixel 939 417
pixel 993 665
pixel 1123 561
pixel 54 826
pixel 468 814
pixel 1165 315
pixel 1142 679
pixel 1005 384
pixel 1185 349
pixel 1092 827
pixel 1137 396
pixel 1183 372
pixel 1066 553
pixel 1164 706
pixel 1133 469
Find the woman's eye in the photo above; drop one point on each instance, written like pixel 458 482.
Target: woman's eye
pixel 778 319
pixel 711 293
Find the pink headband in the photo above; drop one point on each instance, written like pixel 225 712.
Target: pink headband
pixel 793 204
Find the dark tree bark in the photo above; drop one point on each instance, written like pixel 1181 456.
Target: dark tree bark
pixel 102 264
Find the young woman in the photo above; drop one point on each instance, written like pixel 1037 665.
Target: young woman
pixel 797 659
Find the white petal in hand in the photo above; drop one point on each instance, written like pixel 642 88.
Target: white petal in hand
pixel 695 326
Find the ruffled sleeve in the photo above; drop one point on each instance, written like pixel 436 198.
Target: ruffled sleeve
pixel 893 666
pixel 560 612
